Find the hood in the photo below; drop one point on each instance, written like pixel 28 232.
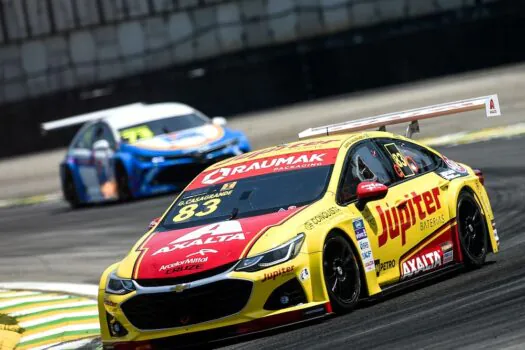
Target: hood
pixel 185 140
pixel 177 253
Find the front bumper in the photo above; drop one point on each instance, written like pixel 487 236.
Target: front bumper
pixel 226 305
pixel 154 175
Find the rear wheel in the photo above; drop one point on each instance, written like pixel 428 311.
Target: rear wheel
pixel 472 230
pixel 341 273
pixel 70 190
pixel 124 193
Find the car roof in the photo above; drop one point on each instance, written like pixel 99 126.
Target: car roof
pixel 146 113
pixel 319 143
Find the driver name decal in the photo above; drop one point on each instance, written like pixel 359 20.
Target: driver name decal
pixel 279 163
pixel 398 220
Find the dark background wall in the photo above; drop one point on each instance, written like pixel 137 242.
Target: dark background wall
pixel 485 36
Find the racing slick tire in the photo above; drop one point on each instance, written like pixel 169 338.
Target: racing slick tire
pixel 472 230
pixel 70 191
pixel 341 272
pixel 124 192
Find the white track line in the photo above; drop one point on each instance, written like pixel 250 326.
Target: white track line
pixel 43 298
pixel 10 294
pixel 59 330
pixel 34 310
pixel 88 290
pixel 57 317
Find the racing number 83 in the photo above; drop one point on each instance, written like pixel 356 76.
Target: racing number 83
pixel 189 210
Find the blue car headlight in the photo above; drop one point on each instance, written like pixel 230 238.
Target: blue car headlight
pixel 278 255
pixel 119 286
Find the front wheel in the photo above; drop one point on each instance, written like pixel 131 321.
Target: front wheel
pixel 70 190
pixel 341 273
pixel 472 230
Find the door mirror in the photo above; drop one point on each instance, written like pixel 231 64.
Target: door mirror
pixel 220 121
pixel 101 145
pixel 153 223
pixel 368 192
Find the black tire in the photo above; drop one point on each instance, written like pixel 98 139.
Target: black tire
pixel 70 191
pixel 341 273
pixel 472 230
pixel 124 193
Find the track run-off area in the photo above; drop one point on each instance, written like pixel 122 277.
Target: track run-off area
pixel 481 309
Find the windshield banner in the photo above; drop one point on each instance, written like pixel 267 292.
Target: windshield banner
pixel 261 166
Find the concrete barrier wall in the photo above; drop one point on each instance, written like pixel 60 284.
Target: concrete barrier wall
pixel 48 46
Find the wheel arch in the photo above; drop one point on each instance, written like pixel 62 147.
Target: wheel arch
pixel 469 188
pixel 355 251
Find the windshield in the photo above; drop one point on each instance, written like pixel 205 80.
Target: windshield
pixel 147 130
pixel 250 196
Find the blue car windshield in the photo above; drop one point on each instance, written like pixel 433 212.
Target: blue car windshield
pixel 250 196
pixel 150 129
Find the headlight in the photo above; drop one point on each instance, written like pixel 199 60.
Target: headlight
pixel 119 286
pixel 282 253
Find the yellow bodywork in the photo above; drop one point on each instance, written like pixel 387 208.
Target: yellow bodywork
pixel 316 221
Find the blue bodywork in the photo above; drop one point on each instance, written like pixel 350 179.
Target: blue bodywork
pixel 149 171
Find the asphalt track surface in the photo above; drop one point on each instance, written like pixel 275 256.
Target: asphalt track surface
pixel 481 309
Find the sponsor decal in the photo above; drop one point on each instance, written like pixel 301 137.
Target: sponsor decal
pixel 176 269
pixel 421 263
pixel 199 199
pixel 225 231
pixel 445 247
pixel 283 271
pixel 364 244
pixel 495 231
pixel 432 222
pixel 279 163
pixel 448 257
pixel 322 216
pixel 203 252
pixel 383 266
pixel 372 186
pixel 218 244
pixel 398 220
pixel 185 139
pixel 283 147
pixel 401 164
pixel 359 229
pixel 450 174
pixel 455 166
pixel 304 275
pixel 181 263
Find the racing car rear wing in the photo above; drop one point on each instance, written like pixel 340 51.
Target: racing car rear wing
pixel 83 118
pixel 489 103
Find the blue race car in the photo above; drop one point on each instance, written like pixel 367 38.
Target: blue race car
pixel 141 149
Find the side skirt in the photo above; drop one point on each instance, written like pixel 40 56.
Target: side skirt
pixel 415 281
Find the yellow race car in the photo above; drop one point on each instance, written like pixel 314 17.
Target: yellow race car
pixel 299 231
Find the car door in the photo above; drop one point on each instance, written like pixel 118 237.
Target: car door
pixel 364 163
pixel 103 149
pixel 82 154
pixel 415 212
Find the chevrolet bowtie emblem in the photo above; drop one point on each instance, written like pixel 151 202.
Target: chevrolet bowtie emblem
pixel 180 287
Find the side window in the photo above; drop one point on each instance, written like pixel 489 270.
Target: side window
pixel 85 138
pixel 363 163
pixel 103 132
pixel 409 159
